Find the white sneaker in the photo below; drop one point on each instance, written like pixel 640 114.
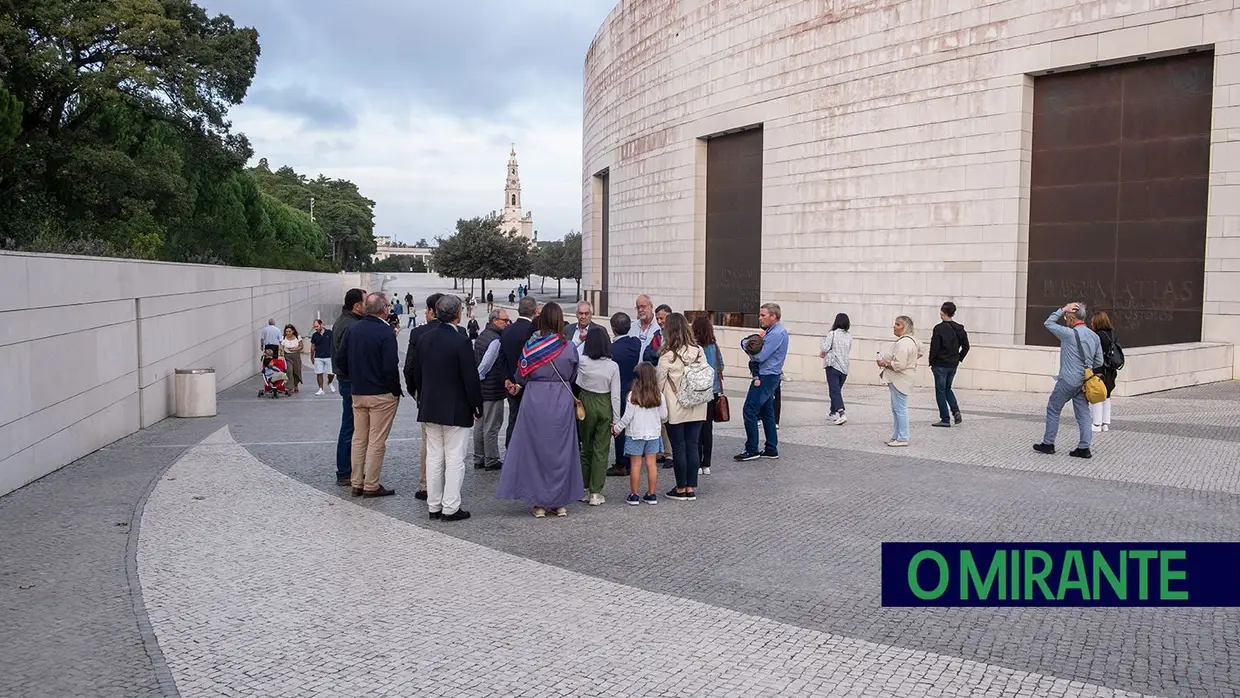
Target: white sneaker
pixel 1096 429
pixel 597 499
pixel 1106 427
pixel 320 392
pixel 703 471
pixel 895 443
pixel 839 421
pixel 333 387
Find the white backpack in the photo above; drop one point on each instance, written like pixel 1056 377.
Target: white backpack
pixel 697 386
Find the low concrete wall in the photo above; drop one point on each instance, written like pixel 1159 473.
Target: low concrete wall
pixel 1006 367
pixel 88 346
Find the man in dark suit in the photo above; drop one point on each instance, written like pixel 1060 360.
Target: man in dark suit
pixel 449 401
pixel 411 382
pixel 626 351
pixel 577 331
pixel 510 345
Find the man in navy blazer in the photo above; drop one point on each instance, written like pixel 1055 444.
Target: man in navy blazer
pixel 626 351
pixel 510 345
pixel 449 401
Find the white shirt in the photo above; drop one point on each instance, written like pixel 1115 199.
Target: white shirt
pixel 488 359
pixel 643 423
pixel 291 344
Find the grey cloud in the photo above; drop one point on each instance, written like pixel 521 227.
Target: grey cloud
pixel 472 57
pixel 297 101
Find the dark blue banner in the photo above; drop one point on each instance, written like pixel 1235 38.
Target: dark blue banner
pixel 1061 574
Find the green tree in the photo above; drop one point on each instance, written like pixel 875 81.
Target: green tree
pixel 422 243
pixel 546 262
pixel 570 259
pixel 479 249
pixel 400 263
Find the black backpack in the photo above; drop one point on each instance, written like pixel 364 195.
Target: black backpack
pixel 1114 357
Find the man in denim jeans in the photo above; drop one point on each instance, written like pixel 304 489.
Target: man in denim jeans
pixel 948 346
pixel 760 402
pixel 1079 348
pixel 350 314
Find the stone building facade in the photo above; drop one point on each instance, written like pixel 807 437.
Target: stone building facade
pixel 878 158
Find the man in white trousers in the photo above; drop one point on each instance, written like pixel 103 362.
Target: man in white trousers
pixel 449 402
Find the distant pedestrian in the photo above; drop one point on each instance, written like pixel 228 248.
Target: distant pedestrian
pixel 490 301
pixel 948 346
pixel 1079 349
pixel 321 356
pixel 291 346
pixel 368 356
pixel 450 401
pixel 471 328
pixel 1100 323
pixel 543 463
pixel 512 297
pixel 269 338
pixel 598 379
pixel 352 312
pixel 640 427
pixel 899 371
pixel 760 400
pixel 834 351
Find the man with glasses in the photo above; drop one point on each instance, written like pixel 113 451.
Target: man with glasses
pixel 491 373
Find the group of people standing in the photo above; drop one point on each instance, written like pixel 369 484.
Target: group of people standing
pixel 574 392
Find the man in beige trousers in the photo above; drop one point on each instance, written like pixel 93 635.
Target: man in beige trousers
pixel 368 356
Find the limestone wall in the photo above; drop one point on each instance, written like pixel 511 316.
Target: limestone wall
pixel 88 346
pixel 896 163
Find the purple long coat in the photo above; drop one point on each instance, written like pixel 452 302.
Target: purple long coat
pixel 542 466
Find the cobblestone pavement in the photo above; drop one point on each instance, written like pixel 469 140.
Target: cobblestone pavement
pixel 260 586
pixel 772 576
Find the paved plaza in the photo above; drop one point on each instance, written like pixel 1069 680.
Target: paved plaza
pixel 217 557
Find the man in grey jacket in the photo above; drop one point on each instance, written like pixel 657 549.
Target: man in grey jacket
pixel 1079 348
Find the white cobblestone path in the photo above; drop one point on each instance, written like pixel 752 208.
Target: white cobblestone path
pixel 257 585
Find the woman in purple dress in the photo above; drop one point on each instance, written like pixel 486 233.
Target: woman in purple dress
pixel 542 466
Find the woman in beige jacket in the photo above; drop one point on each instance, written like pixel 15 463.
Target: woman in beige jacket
pixel 899 372
pixel 684 424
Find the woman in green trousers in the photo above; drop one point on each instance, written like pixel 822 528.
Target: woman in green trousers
pixel 598 378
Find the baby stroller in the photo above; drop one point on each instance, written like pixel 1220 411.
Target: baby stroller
pixel 275 375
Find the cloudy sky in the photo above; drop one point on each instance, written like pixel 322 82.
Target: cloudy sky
pixel 418 101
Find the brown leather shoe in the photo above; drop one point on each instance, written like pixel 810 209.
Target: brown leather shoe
pixel 381 492
pixel 356 491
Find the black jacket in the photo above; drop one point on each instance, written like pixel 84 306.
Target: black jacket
pixel 411 384
pixel 1107 373
pixel 342 324
pixel 368 356
pixel 626 352
pixel 449 392
pixel 493 382
pixel 949 344
pixel 511 343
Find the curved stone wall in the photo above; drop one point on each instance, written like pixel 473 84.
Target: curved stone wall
pixel 895 154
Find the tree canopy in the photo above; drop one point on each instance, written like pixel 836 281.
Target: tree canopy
pixel 114 140
pixel 479 249
pixel 559 260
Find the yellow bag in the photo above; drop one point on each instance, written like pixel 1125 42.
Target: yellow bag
pixel 1095 389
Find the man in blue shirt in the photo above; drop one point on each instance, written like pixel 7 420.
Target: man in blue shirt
pixel 760 402
pixel 1079 349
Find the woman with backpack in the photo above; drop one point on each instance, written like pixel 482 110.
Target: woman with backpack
pixel 1101 411
pixel 680 356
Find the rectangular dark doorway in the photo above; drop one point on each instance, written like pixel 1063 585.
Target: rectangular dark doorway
pixel 604 239
pixel 734 224
pixel 1117 210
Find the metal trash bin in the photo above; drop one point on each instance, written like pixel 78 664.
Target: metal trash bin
pixel 195 392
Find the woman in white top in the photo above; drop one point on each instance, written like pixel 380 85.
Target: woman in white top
pixel 899 372
pixel 836 347
pixel 598 377
pixel 291 346
pixel 684 424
